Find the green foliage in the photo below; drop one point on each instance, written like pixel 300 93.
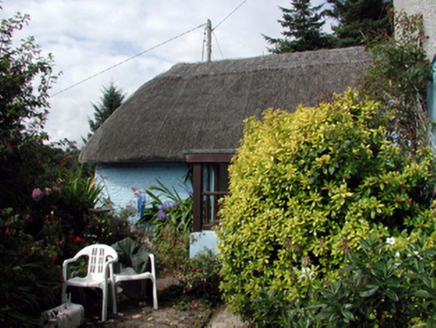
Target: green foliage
pixel 70 199
pixel 171 249
pixel 25 78
pixel 173 211
pixel 359 21
pixel 170 218
pixel 42 222
pixel 112 99
pixel 399 79
pixel 106 228
pixel 305 188
pixel 378 287
pixel 199 277
pixel 382 287
pixel 30 273
pixel 58 223
pixel 303 32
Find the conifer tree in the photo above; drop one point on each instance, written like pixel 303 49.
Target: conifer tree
pixel 303 24
pixel 112 98
pixel 359 20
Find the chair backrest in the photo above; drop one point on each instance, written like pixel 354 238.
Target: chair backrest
pixel 98 256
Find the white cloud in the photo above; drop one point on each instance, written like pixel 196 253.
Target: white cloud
pixel 87 37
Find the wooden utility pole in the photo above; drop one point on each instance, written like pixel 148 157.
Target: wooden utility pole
pixel 208 40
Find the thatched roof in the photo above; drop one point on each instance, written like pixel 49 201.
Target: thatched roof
pixel 202 106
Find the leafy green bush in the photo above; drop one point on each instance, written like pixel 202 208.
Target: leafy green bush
pixel 199 277
pixel 399 80
pixel 171 249
pixel 172 212
pixel 382 287
pixel 57 223
pixel 30 274
pixel 304 189
pixel 170 220
pixel 379 287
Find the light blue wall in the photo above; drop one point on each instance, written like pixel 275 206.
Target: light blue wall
pixel 123 184
pixel 203 240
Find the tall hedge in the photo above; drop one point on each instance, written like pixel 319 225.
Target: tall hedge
pixel 305 187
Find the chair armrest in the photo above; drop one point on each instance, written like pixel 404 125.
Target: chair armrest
pixel 151 256
pixel 64 266
pixel 109 264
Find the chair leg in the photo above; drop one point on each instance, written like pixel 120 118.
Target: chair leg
pixel 64 293
pixel 114 298
pixel 104 305
pixel 154 294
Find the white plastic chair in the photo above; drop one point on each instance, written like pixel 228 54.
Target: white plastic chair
pixel 99 275
pixel 129 274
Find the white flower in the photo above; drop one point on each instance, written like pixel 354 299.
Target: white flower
pixel 306 273
pixel 397 254
pixel 390 241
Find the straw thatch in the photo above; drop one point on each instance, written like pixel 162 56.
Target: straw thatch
pixel 202 106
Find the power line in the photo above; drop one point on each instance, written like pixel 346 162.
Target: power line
pixel 218 45
pixel 128 59
pixel 240 5
pixel 152 48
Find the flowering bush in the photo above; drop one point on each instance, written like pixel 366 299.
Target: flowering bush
pixel 171 249
pixel 379 287
pixel 174 212
pixel 171 224
pixel 30 273
pixel 199 277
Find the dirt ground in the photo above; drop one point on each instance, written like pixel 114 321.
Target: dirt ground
pixel 171 313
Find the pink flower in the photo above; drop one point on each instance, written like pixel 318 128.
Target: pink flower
pixel 37 194
pixel 56 189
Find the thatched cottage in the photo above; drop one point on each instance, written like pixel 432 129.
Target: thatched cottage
pixel 191 118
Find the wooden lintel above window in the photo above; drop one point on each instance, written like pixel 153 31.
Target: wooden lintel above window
pixel 208 157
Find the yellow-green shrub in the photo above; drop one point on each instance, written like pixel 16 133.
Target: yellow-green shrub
pixel 304 188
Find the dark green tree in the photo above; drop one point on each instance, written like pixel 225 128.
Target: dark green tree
pixel 359 20
pixel 303 24
pixel 112 98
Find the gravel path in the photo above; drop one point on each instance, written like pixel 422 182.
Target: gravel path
pixel 134 314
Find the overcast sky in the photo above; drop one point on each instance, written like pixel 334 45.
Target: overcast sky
pixel 89 36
